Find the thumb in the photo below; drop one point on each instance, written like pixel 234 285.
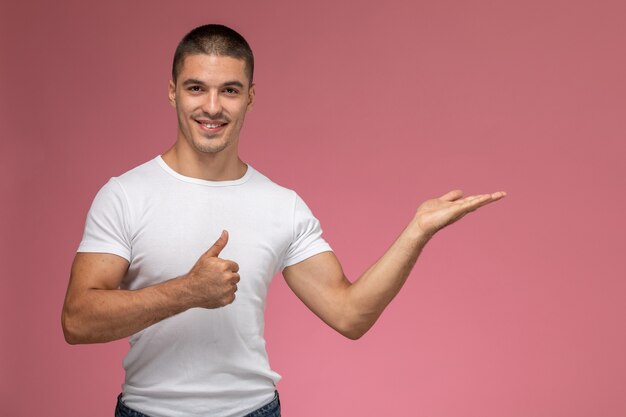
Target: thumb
pixel 214 251
pixel 452 195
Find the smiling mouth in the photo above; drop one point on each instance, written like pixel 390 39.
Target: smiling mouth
pixel 211 126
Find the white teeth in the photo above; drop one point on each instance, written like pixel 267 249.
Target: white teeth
pixel 210 126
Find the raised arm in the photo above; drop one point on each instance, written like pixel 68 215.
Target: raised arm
pixel 353 308
pixel 96 310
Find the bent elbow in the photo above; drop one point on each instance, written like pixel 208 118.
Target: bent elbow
pixel 353 335
pixel 353 331
pixel 70 339
pixel 354 324
pixel 70 329
pixel 69 336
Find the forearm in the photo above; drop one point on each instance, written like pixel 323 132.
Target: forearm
pixel 352 308
pixel 103 315
pixel 368 296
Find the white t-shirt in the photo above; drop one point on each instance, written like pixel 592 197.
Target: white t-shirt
pixel 202 362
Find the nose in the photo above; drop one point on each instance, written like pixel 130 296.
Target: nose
pixel 212 105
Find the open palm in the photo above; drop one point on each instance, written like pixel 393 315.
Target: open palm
pixel 437 213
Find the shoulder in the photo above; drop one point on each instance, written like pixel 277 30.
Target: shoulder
pixel 136 181
pixel 133 183
pixel 261 182
pixel 147 171
pixel 283 200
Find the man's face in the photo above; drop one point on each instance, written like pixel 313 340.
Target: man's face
pixel 211 96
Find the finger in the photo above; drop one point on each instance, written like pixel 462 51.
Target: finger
pixel 219 244
pixel 473 202
pixel 235 278
pixel 229 299
pixel 498 195
pixel 492 198
pixel 452 195
pixel 232 266
pixel 476 199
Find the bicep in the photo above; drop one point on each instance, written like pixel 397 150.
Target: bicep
pixel 96 271
pixel 90 272
pixel 320 283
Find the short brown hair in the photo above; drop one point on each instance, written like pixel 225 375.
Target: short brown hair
pixel 213 39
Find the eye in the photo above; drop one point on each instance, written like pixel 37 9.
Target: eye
pixel 195 88
pixel 231 91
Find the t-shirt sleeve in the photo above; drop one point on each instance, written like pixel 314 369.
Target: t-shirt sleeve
pixel 107 227
pixel 307 236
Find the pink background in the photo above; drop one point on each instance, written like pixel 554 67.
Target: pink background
pixel 518 310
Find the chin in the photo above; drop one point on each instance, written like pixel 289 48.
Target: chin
pixel 210 148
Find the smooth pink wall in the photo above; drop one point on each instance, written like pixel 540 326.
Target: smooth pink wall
pixel 366 110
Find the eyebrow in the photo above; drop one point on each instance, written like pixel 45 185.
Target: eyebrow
pixel 193 81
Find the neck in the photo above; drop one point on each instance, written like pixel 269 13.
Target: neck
pixel 219 166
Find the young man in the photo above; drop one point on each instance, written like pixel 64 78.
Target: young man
pixel 194 311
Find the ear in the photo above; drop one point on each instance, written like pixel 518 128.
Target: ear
pixel 171 93
pixel 251 98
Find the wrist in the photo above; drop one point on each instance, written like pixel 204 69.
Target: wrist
pixel 417 234
pixel 179 292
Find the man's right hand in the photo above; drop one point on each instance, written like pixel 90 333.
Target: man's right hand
pixel 96 309
pixel 212 282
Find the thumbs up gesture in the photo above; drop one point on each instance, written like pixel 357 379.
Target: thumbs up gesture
pixel 212 282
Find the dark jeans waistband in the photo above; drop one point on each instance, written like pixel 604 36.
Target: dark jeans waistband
pixel 271 409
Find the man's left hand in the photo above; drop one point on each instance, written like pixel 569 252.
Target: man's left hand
pixel 437 213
